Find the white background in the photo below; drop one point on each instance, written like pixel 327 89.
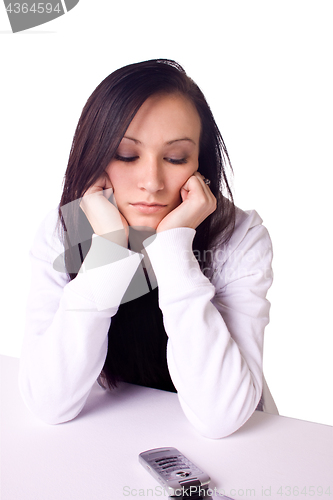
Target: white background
pixel 266 70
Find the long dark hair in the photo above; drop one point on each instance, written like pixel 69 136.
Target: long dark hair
pixel 101 127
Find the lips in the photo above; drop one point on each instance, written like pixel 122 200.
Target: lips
pixel 147 208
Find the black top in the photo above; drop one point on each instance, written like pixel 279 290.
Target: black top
pixel 137 345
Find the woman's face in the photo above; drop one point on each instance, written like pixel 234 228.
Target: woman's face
pixel 156 156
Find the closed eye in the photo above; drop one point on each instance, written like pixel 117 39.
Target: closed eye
pixel 176 161
pixel 126 158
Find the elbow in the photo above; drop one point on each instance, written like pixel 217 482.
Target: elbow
pixel 48 412
pixel 48 409
pixel 52 417
pixel 218 429
pixel 221 420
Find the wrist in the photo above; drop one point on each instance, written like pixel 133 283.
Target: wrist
pixel 119 237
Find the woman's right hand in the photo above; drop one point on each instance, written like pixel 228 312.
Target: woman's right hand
pixel 103 215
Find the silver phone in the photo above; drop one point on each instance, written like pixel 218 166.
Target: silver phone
pixel 177 474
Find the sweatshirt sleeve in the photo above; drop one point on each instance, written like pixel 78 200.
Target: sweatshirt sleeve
pixel 67 323
pixel 216 327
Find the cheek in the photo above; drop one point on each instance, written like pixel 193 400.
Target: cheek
pixel 117 178
pixel 112 172
pixel 180 178
pixel 174 191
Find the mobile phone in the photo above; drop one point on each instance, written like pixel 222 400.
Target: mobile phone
pixel 177 474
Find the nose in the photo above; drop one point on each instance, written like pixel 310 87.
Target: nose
pixel 151 176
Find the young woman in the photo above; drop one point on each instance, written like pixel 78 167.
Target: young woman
pixel 148 273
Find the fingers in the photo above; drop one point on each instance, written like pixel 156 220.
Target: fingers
pixel 196 184
pixel 190 184
pixel 195 191
pixel 211 203
pixel 203 181
pixel 101 186
pixel 107 187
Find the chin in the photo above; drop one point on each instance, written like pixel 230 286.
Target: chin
pixel 144 224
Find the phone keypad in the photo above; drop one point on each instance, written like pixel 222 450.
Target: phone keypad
pixel 176 466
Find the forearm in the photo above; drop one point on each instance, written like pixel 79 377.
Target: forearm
pixel 219 380
pixel 65 342
pixel 218 387
pixel 59 363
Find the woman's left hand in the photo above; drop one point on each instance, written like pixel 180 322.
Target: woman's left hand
pixel 197 203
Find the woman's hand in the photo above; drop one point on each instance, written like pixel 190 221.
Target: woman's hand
pixel 103 215
pixel 197 203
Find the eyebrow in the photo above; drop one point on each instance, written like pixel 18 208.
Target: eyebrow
pixel 183 139
pixel 168 143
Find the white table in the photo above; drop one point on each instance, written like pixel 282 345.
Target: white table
pixel 95 456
